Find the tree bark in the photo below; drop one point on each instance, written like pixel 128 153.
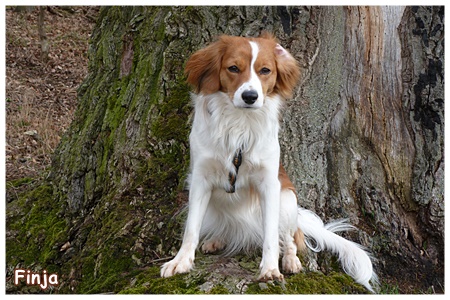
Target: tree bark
pixel 362 137
pixel 42 36
pixel 373 94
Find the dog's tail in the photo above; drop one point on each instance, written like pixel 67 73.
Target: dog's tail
pixel 355 261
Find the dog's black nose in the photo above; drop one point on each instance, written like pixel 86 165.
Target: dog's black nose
pixel 250 96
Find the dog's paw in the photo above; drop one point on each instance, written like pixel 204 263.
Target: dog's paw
pixel 291 264
pixel 271 274
pixel 176 266
pixel 212 246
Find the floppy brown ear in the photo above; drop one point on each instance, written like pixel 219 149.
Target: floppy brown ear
pixel 203 68
pixel 288 72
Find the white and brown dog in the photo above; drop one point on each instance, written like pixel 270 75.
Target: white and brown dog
pixel 240 196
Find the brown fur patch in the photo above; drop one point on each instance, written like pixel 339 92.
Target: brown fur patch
pixel 299 240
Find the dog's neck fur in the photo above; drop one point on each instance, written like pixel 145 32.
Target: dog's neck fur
pixel 228 128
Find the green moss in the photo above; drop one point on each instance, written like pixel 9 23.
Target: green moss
pixel 40 230
pixel 150 282
pixel 19 182
pixel 219 289
pixel 310 283
pixel 389 289
pixel 106 262
pixel 172 124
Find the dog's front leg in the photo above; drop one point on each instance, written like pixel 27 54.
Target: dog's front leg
pixel 199 196
pixel 269 191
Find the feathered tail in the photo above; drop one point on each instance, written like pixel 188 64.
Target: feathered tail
pixel 355 261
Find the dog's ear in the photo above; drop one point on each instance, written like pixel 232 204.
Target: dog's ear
pixel 267 35
pixel 203 68
pixel 288 72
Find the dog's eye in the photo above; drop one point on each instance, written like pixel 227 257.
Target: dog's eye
pixel 233 69
pixel 264 71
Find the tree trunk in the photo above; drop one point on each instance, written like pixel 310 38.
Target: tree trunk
pixel 364 137
pixel 361 139
pixel 42 36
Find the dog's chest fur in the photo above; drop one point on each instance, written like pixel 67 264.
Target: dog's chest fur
pixel 220 130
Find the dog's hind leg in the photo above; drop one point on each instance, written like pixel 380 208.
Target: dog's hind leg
pixel 212 246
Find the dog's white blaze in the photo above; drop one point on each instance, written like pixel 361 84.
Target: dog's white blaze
pixel 252 84
pixel 255 51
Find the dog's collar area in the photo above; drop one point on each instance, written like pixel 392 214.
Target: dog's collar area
pixel 237 160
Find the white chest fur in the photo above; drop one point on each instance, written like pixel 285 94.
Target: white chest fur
pixel 220 129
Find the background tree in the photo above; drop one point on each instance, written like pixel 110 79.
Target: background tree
pixel 42 35
pixel 362 139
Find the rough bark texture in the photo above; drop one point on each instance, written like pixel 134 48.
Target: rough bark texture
pixel 362 139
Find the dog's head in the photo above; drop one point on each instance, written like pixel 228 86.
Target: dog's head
pixel 246 69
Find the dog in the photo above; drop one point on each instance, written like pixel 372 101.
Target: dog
pixel 240 197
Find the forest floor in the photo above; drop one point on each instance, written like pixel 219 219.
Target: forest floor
pixel 41 97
